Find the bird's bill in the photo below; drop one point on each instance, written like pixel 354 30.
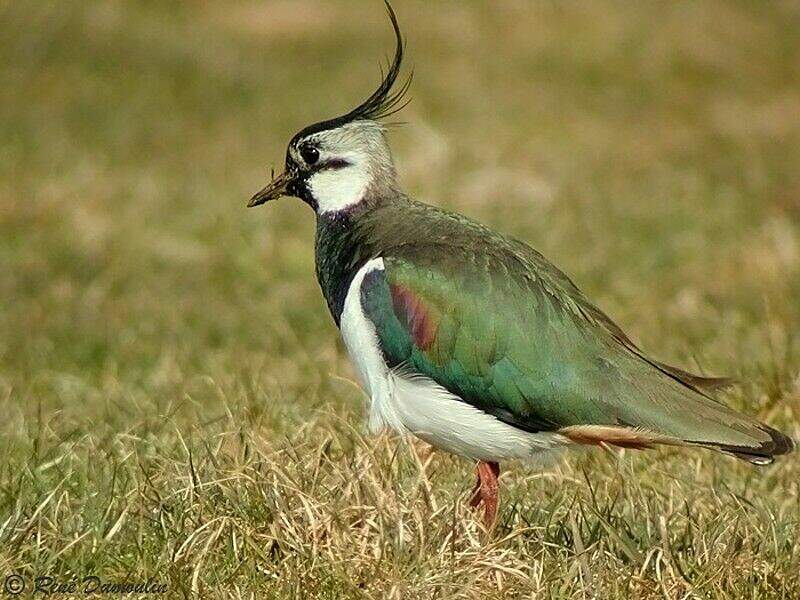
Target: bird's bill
pixel 275 189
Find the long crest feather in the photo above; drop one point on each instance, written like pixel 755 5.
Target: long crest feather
pixel 384 101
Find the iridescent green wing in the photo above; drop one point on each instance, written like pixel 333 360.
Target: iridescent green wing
pixel 506 332
pixel 483 327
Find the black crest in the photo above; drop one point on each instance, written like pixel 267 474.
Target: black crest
pixel 383 102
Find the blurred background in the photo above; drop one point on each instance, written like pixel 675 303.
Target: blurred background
pixel 649 149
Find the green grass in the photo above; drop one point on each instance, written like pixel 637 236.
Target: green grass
pixel 176 401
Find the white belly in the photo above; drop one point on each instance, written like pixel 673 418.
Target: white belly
pixel 407 402
pixel 442 419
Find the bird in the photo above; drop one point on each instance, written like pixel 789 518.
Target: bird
pixel 471 340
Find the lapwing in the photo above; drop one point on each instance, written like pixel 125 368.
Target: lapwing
pixel 471 340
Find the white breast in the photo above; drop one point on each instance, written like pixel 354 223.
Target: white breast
pixel 408 402
pixel 361 342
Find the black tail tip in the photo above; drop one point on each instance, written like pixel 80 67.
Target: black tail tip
pixel 778 445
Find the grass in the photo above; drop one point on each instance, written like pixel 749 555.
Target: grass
pixel 176 402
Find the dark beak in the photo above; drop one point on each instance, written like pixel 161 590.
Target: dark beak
pixel 275 189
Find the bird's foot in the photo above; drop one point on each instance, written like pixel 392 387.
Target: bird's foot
pixel 486 491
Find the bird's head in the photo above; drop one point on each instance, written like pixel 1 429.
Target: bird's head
pixel 337 164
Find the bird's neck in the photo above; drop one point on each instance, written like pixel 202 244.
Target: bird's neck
pixel 345 241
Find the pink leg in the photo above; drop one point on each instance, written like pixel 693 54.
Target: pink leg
pixel 486 491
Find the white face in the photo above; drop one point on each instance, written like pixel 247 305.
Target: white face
pixel 350 162
pixel 337 189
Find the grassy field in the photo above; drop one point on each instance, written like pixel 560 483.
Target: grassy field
pixel 176 401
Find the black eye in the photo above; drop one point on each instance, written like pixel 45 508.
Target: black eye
pixel 309 153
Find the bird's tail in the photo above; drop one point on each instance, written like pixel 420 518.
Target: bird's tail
pixel 767 444
pixel 665 407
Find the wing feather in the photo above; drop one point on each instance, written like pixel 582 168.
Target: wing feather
pixel 511 335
